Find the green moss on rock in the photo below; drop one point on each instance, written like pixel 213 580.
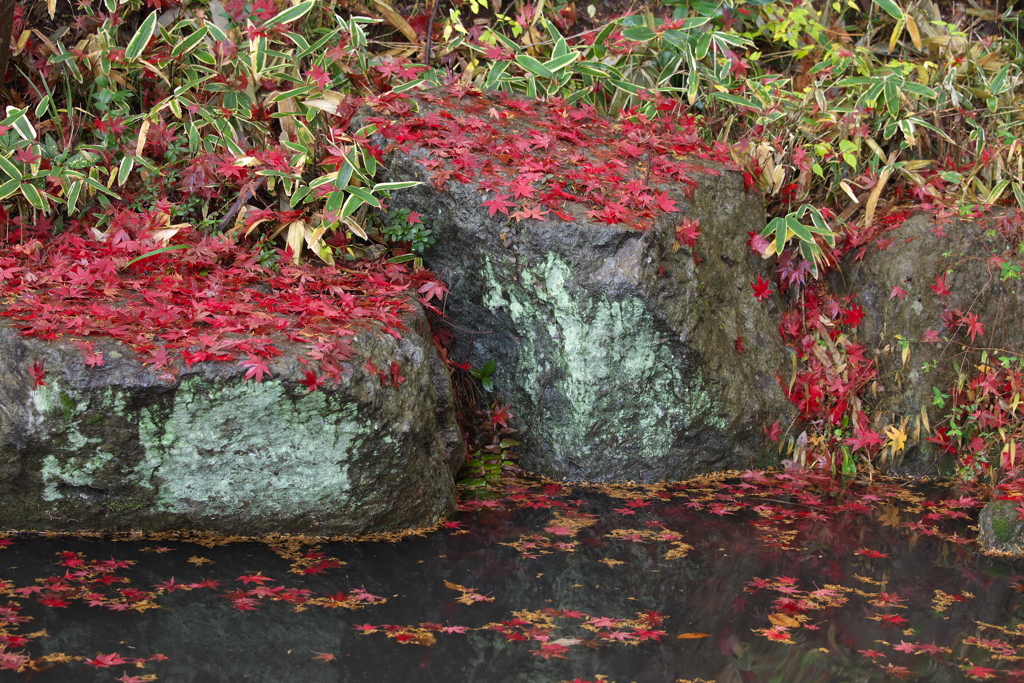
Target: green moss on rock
pixel 1001 531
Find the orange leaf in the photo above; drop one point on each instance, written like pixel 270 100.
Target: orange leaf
pixel 783 620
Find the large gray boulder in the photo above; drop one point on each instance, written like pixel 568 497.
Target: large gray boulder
pixel 616 349
pixel 117 447
pixel 967 255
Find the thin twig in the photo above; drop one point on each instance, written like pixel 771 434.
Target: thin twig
pixel 430 33
pixel 242 198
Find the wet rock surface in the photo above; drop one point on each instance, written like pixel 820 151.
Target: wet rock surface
pixel 966 255
pixel 117 447
pixel 616 347
pixel 1001 531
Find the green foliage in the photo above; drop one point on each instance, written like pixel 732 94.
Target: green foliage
pixel 484 374
pixel 405 226
pixel 783 228
pixel 200 106
pixel 493 459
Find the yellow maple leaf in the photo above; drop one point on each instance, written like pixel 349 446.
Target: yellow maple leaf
pixel 897 438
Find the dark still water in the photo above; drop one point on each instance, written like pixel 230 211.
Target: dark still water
pixel 765 577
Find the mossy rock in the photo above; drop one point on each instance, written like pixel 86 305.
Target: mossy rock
pixel 616 347
pixel 1002 529
pixel 117 447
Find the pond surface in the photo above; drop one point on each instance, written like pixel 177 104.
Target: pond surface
pixel 765 577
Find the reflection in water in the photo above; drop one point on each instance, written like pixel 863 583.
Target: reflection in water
pixel 765 577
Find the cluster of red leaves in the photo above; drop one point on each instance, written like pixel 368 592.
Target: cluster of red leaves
pixel 539 627
pixel 213 300
pixel 104 584
pixel 94 583
pixel 797 514
pixel 835 369
pixel 535 158
pixel 987 404
pixel 249 599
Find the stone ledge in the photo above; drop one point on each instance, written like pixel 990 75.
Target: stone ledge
pixel 118 447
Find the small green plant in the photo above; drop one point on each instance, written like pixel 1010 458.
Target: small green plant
pixel 494 459
pixel 783 228
pixel 406 226
pixel 484 374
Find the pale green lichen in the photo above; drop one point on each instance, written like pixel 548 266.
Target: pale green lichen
pixel 80 471
pixel 216 448
pixel 608 361
pixel 247 446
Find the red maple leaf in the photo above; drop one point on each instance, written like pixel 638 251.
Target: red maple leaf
pixel 499 203
pixel 852 315
pixel 396 376
pixel 666 203
pixel 762 288
pixel 168 586
pixel 898 292
pixel 978 671
pixel 549 650
pixel 254 578
pixel 104 661
pixel 311 381
pixel 38 371
pixel 688 231
pixel 257 368
pixel 54 601
pixel 432 289
pixel 892 619
pixel 940 287
pixel 864 438
pixel 500 415
pixel 92 358
pixel 532 211
pixel 324 656
pixel 974 326
pixel 245 604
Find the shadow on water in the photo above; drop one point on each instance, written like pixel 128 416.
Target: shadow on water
pixel 767 578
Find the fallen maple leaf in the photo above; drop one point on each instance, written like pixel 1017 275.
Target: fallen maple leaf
pixel 688 231
pixel 666 203
pixel 940 287
pixel 253 578
pixel 499 203
pixel 500 415
pixel 104 661
pixel 762 288
pixel 38 372
pixel 257 368
pixel 897 438
pixel 312 382
pixel 324 656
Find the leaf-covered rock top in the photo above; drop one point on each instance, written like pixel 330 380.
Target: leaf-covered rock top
pixel 210 300
pixel 539 158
